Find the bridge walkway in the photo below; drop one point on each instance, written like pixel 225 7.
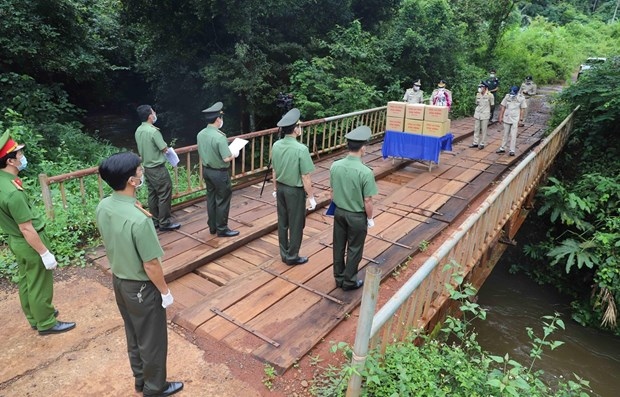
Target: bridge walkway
pixel 237 291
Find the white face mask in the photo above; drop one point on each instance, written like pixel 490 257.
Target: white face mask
pixel 480 90
pixel 416 88
pixel 23 163
pixel 492 75
pixel 154 118
pixel 141 181
pixel 221 123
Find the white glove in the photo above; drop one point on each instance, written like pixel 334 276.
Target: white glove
pixel 312 203
pixel 274 194
pixel 49 261
pixel 235 153
pixel 166 300
pixel 370 222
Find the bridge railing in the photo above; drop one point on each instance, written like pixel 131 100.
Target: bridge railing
pixel 416 302
pixel 321 136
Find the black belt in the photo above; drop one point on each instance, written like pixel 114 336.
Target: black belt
pixel 292 187
pixel 216 169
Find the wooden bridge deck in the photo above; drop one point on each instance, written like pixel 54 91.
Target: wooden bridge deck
pixel 237 291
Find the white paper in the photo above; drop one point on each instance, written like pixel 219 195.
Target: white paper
pixel 237 145
pixel 172 157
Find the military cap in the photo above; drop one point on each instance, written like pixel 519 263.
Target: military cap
pixel 290 118
pixel 483 84
pixel 214 110
pixel 513 90
pixel 492 71
pixel 417 82
pixel 441 84
pixel 528 78
pixel 359 134
pixel 8 145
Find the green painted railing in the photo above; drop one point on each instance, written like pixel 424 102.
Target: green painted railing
pixel 322 136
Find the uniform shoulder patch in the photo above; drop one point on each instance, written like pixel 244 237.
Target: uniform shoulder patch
pixel 18 183
pixel 145 212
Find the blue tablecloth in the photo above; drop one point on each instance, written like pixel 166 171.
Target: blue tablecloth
pixel 414 146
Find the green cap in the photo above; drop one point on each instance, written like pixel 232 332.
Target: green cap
pixel 214 110
pixel 290 118
pixel 360 134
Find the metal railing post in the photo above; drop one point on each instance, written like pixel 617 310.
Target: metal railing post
pixel 47 195
pixel 364 324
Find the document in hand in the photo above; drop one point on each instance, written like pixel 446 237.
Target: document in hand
pixel 237 145
pixel 172 157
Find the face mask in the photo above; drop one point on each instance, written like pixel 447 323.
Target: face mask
pixel 23 163
pixel 480 90
pixel 154 119
pixel 416 88
pixel 222 123
pixel 511 96
pixel 491 75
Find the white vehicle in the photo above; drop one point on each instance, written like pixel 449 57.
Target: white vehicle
pixel 589 64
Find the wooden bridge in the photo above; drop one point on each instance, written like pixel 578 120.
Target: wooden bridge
pixel 237 291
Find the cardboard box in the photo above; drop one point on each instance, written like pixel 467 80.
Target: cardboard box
pixel 394 124
pixel 414 126
pixel 434 128
pixel 396 109
pixel 438 114
pixel 415 111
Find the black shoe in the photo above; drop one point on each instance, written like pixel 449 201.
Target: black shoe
pixel 171 388
pixel 299 261
pixel 511 153
pixel 139 387
pixel 357 285
pixel 212 231
pixel 473 145
pixel 228 233
pixel 60 327
pixel 55 315
pixel 480 147
pixel 500 151
pixel 171 226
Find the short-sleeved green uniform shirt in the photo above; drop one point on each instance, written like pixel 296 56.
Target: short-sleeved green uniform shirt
pixel 128 235
pixel 15 207
pixel 291 160
pixel 213 148
pixel 150 145
pixel 351 182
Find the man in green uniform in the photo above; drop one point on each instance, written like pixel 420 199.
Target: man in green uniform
pixel 216 157
pixel 352 187
pixel 292 166
pixel 493 86
pixel 28 242
pixel 414 94
pixel 152 148
pixel 141 292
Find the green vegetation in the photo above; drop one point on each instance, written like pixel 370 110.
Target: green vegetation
pixel 452 363
pixel 270 375
pixel 580 207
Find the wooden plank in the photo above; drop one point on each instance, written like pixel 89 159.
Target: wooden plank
pixel 216 273
pixel 183 296
pixel 198 284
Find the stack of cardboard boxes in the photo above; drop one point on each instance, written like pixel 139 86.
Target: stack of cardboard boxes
pixel 417 118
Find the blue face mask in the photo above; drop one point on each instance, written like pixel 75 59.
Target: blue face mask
pixel 23 163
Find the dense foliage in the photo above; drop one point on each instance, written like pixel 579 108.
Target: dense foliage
pixel 581 204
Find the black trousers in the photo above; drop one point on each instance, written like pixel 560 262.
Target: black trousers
pixel 291 220
pixel 219 193
pixel 350 229
pixel 146 332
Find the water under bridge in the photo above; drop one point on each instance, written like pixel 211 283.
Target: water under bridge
pixel 237 291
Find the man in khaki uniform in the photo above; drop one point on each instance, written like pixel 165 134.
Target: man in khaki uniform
pixel 352 187
pixel 511 111
pixel 482 114
pixel 28 242
pixel 292 166
pixel 152 148
pixel 216 158
pixel 141 292
pixel 528 89
pixel 414 94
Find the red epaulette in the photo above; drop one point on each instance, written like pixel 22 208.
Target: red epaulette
pixel 145 212
pixel 18 183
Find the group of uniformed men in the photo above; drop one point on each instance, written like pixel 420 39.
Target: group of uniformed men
pixel 129 231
